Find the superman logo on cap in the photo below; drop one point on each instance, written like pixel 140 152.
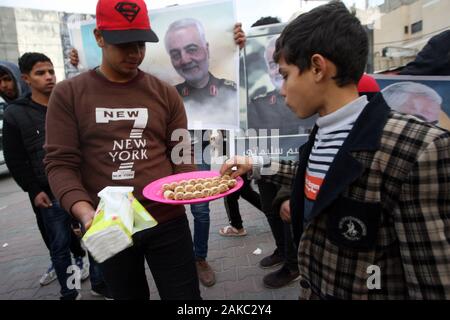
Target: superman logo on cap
pixel 128 10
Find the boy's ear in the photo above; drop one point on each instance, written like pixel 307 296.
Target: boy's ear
pixel 26 78
pixel 319 67
pixel 99 38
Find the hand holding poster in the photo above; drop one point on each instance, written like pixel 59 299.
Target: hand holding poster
pixel 70 38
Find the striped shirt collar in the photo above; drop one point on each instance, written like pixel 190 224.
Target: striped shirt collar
pixel 343 116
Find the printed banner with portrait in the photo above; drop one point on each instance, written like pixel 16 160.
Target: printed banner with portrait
pixel 196 53
pixel 272 128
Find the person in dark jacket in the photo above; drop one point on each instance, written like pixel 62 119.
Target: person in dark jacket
pixel 23 140
pixel 13 88
pixel 433 59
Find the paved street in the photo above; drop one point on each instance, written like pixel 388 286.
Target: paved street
pixel 24 258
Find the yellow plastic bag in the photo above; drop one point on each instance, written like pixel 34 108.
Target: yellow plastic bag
pixel 118 216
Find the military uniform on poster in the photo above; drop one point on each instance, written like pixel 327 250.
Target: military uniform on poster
pixel 269 111
pixel 212 105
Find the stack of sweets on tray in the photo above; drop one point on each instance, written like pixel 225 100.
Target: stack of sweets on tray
pixel 198 188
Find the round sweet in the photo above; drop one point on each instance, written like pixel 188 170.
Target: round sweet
pixel 198 195
pixel 198 187
pixel 215 183
pixel 183 183
pixel 189 188
pixel 166 187
pixel 223 188
pixel 207 185
pixel 214 191
pixel 226 177
pixel 169 194
pixel 206 192
pixel 201 181
pixel 179 189
pixel 188 196
pixel 173 185
pixel 232 183
pixel 179 196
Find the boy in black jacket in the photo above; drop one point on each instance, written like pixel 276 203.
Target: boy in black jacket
pixel 23 141
pixel 13 88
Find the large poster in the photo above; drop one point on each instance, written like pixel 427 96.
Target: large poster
pixel 272 128
pixel 196 53
pixel 427 97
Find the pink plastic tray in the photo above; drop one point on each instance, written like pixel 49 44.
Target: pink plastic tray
pixel 153 191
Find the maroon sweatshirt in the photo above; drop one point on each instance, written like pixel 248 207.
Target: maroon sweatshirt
pixel 100 133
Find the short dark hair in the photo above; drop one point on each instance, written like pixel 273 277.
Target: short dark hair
pixel 29 59
pixel 331 31
pixel 265 21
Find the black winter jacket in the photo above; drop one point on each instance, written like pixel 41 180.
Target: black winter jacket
pixel 23 145
pixel 433 59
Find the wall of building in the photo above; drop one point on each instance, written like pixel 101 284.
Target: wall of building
pixel 8 35
pixel 28 30
pixel 436 13
pixel 390 5
pixel 390 30
pixel 39 31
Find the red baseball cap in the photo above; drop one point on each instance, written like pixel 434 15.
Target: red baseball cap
pixel 124 21
pixel 368 86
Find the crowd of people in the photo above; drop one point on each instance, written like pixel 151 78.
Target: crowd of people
pixel 370 188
